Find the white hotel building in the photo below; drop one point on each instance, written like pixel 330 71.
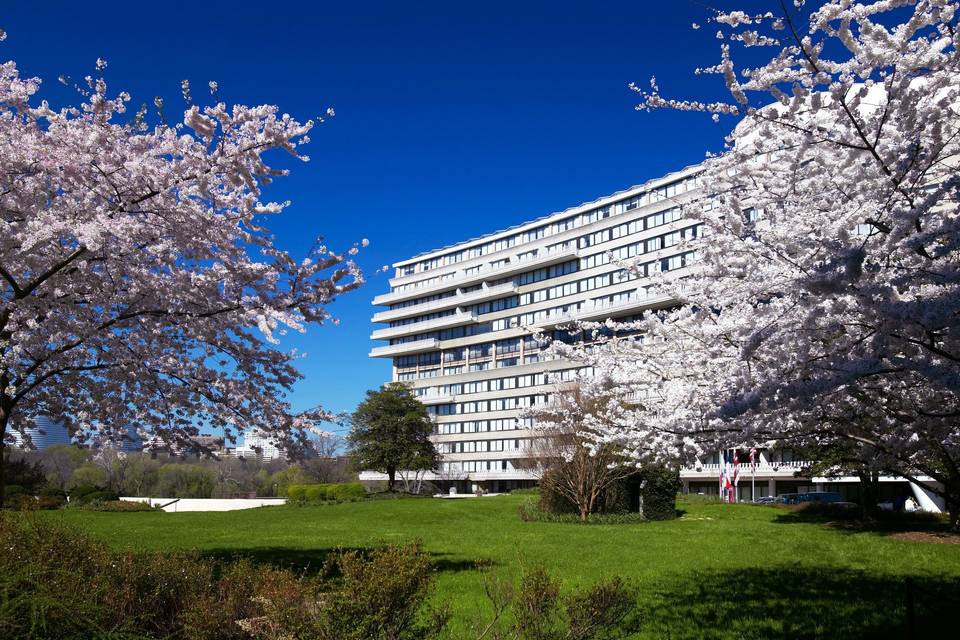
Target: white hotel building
pixel 458 325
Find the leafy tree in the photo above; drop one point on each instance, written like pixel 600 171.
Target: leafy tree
pixel 390 431
pixel 138 283
pixel 141 474
pixel 60 461
pixel 88 475
pixel 26 474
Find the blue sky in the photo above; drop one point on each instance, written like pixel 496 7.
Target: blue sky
pixel 453 118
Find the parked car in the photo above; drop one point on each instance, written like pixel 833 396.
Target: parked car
pixel 766 500
pixel 819 496
pixel 787 498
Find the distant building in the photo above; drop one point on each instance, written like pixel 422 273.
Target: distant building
pixel 44 433
pixel 127 441
pixel 257 447
pixel 198 446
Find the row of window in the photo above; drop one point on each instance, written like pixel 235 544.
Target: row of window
pixel 501 384
pixel 474 466
pixel 432 359
pixel 571 222
pixel 480 426
pixel 480 446
pixel 598 259
pixel 627 228
pixel 406 376
pixel 482 406
pixel 644 270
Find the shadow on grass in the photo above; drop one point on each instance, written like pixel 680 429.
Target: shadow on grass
pixel 802 603
pixel 312 561
pixel 850 520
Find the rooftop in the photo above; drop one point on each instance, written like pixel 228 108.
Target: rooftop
pixel 599 202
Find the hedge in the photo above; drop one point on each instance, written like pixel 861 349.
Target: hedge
pixel 659 492
pixel 329 492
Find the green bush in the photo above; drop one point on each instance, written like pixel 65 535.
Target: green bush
pixel 53 492
pixel 537 609
pixel 659 492
pixel 14 490
pixel 348 491
pixel 381 596
pixel 81 490
pixel 58 583
pixel 331 492
pixel 297 492
pixel 95 496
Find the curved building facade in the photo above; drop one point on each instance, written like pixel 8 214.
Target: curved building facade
pixel 44 433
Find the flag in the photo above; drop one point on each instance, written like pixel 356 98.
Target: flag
pixel 723 473
pixel 736 476
pixel 753 459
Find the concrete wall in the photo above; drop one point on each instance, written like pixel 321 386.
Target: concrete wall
pixel 209 504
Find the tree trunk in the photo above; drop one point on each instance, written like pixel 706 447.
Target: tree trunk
pixel 4 418
pixel 391 478
pixel 584 512
pixel 869 492
pixel 952 498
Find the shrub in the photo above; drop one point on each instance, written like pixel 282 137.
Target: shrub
pixel 530 511
pixel 381 596
pixel 535 609
pixel 58 583
pixel 53 492
pixel 347 491
pixel 12 490
pixel 551 500
pixel 82 490
pixel 119 506
pixel 331 492
pixel 659 492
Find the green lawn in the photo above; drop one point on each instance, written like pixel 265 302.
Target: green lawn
pixel 720 571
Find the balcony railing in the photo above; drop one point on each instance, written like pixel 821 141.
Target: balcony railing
pixel 762 468
pixel 435 399
pixel 600 310
pixel 541 259
pixel 416 346
pixel 458 300
pixel 452 320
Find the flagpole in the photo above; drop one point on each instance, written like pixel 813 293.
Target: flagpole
pixel 720 475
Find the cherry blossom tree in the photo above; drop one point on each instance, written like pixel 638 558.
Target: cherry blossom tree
pixel 573 452
pixel 139 284
pixel 825 303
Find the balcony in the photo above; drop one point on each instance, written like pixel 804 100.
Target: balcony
pixel 453 320
pixel 458 300
pixel 542 259
pixel 601 310
pixel 416 346
pixel 764 468
pixel 428 400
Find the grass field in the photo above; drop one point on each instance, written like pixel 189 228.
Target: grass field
pixel 720 571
